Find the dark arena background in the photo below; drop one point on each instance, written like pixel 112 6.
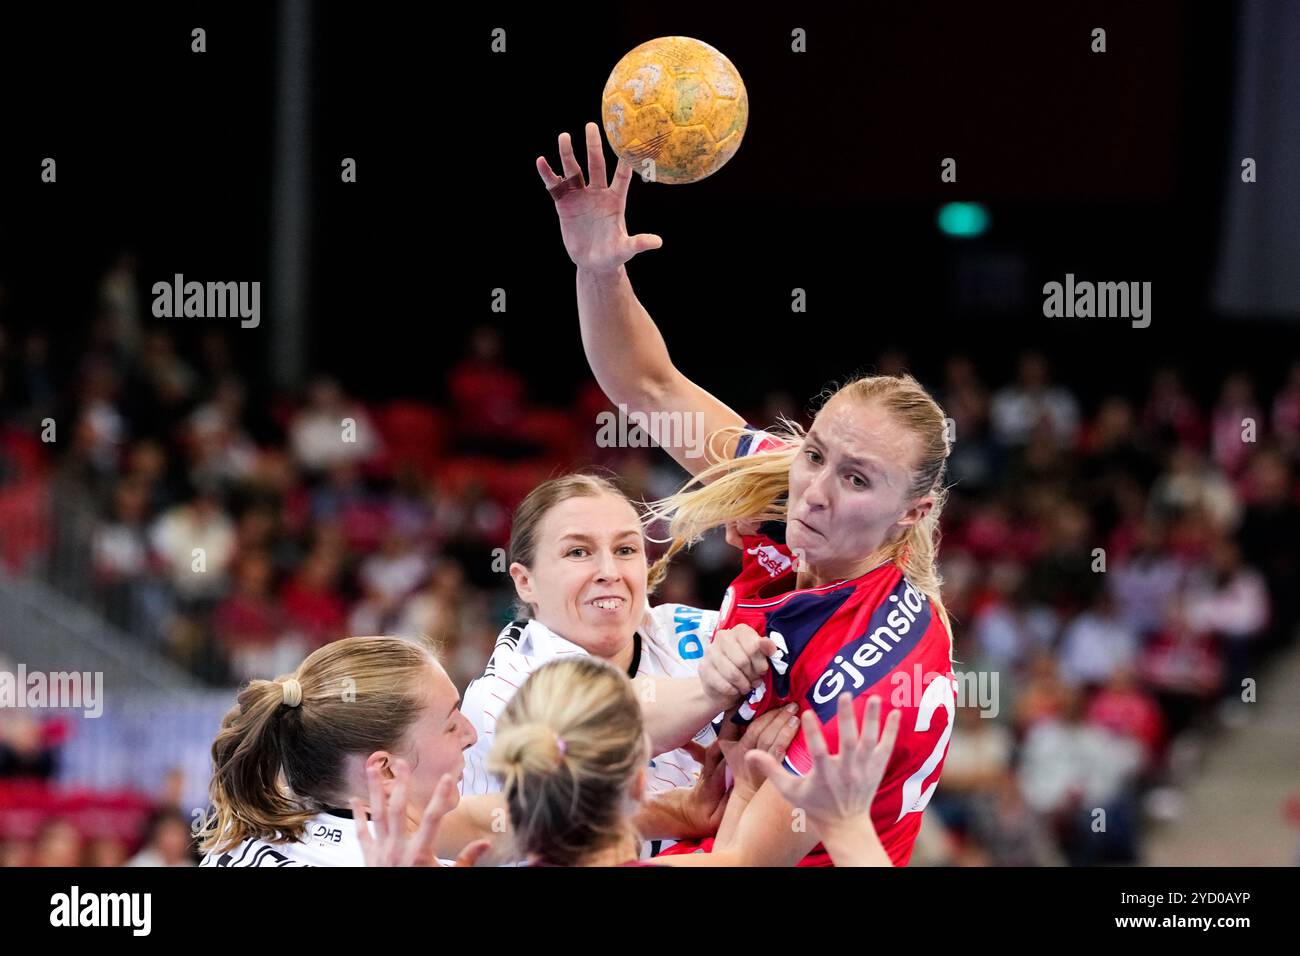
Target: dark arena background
pixel 432 301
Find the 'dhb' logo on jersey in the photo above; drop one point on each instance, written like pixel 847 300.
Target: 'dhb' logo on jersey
pixel 770 559
pixel 895 628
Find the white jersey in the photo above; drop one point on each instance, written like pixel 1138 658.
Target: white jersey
pixel 330 840
pixel 672 639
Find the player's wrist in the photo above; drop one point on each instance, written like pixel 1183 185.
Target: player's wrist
pixel 595 272
pixel 855 833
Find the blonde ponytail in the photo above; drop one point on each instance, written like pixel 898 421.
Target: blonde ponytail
pixel 279 757
pixel 566 750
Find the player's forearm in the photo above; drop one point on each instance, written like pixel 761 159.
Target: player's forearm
pixel 769 833
pixel 660 817
pixel 737 800
pixel 624 348
pixel 674 709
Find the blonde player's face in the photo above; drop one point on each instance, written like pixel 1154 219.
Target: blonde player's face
pixel 588 580
pixel 437 741
pixel 849 488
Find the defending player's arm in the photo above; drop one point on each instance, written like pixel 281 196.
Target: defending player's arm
pixel 697 812
pixel 676 708
pixel 834 798
pixel 623 346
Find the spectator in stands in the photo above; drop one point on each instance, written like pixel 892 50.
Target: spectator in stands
pixel 1063 576
pixel 1270 537
pixel 1286 413
pixel 195 541
pixel 1143 582
pixel 974 768
pixel 1043 695
pixel 1069 771
pixel 1189 483
pixel 58 843
pixel 1006 830
pixel 313 602
pixel 123 570
pixel 975 457
pixel 106 850
pixel 1184 668
pixel 1124 707
pixel 168 841
pixel 487 396
pixel 25 753
pixel 1010 629
pixel 1017 409
pixel 250 623
pixel 321 435
pixel 1097 644
pixel 1236 422
pixel 1230 600
pixel 220 449
pixel 1171 415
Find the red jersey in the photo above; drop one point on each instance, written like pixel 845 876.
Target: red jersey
pixel 874 634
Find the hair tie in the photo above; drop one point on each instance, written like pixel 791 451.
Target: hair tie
pixel 291 692
pixel 561 746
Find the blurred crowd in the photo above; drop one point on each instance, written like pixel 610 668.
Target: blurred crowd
pixel 1124 566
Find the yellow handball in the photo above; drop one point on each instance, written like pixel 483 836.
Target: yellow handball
pixel 675 108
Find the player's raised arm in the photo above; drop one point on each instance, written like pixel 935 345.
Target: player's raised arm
pixel 623 346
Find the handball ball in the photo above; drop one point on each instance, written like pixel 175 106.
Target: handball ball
pixel 675 108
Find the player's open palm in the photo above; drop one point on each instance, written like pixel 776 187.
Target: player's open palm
pixel 392 844
pixel 591 212
pixel 840 787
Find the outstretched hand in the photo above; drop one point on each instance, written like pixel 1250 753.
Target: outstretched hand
pixel 391 844
pixel 592 212
pixel 839 788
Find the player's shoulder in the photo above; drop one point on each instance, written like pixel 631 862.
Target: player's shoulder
pixel 681 630
pixel 755 441
pixel 672 619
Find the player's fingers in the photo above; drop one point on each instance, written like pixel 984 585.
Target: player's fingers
pixel 870 732
pixel 567 159
pixel 785 735
pixel 445 795
pixel 885 747
pixel 397 800
pixel 759 650
pixel 812 735
pixel 847 723
pixel 771 732
pixel 470 855
pixel 771 769
pixel 549 178
pixel 363 829
pixel 645 242
pixel 713 759
pixel 622 176
pixel 422 848
pixel 731 675
pixel 698 753
pixel 595 157
pixel 753 736
pixel 731 731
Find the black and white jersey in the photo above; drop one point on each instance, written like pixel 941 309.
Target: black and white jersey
pixel 671 642
pixel 330 840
